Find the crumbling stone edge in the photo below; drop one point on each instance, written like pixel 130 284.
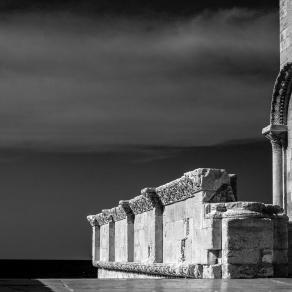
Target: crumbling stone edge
pixel 193 271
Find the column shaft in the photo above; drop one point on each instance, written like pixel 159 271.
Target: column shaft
pixel 277 174
pixel 96 243
pixel 111 242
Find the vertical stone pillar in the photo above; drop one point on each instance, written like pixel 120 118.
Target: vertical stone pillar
pixel 151 195
pixel 277 153
pixel 277 134
pixel 111 239
pixel 107 236
pixel 129 230
pixel 148 227
pixel 95 238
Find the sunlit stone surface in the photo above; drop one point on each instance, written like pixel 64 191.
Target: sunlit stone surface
pixel 191 227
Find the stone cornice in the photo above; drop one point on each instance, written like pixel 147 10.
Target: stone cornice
pixel 124 211
pixel 125 206
pixel 92 220
pixel 214 182
pixel 160 269
pixel 243 209
pixel 202 179
pixel 102 219
pixel 151 195
pixel 141 204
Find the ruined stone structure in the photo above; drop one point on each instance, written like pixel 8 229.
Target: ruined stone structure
pixel 279 132
pixel 194 227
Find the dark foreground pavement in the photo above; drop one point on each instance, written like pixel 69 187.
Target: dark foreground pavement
pixel 86 285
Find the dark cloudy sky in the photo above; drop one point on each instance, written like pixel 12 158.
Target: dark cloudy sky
pixel 102 98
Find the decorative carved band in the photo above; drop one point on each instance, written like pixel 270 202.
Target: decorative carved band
pixel 215 182
pixel 152 196
pixel 281 96
pixel 277 134
pixel 124 211
pixel 141 204
pixel 102 218
pixel 92 220
pixel 168 270
pixel 201 179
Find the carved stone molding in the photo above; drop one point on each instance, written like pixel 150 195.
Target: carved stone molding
pixel 141 204
pixel 92 220
pixel 102 219
pixel 281 96
pixel 241 209
pixel 151 195
pixel 215 183
pixel 277 134
pixel 124 211
pixel 168 270
pixel 201 179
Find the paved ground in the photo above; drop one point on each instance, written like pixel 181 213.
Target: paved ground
pixel 90 285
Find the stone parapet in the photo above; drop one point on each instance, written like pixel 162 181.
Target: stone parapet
pixel 191 227
pixel 213 183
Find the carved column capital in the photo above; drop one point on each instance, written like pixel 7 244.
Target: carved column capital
pixel 151 195
pixel 92 220
pixel 125 205
pixel 108 215
pixel 277 134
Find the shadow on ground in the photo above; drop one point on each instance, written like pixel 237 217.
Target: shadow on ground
pixel 23 285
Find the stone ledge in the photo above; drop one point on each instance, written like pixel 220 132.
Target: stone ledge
pixel 215 181
pixel 192 271
pixel 161 269
pixel 243 209
pixel 214 185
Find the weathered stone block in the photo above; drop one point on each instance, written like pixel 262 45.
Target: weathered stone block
pixel 247 233
pixel 241 256
pixel 246 271
pixel 280 232
pixel 280 256
pixel 267 256
pixel 202 179
pixel 212 271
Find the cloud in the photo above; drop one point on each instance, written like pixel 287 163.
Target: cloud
pixel 87 83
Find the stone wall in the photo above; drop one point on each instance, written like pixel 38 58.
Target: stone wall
pixel 191 228
pixel 285 31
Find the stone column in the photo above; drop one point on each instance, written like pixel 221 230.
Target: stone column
pixel 277 134
pixel 148 227
pixel 111 240
pixel 130 229
pixel 151 195
pixel 277 153
pixel 95 238
pixel 109 233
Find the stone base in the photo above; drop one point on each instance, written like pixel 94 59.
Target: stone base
pixel 109 274
pixel 116 270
